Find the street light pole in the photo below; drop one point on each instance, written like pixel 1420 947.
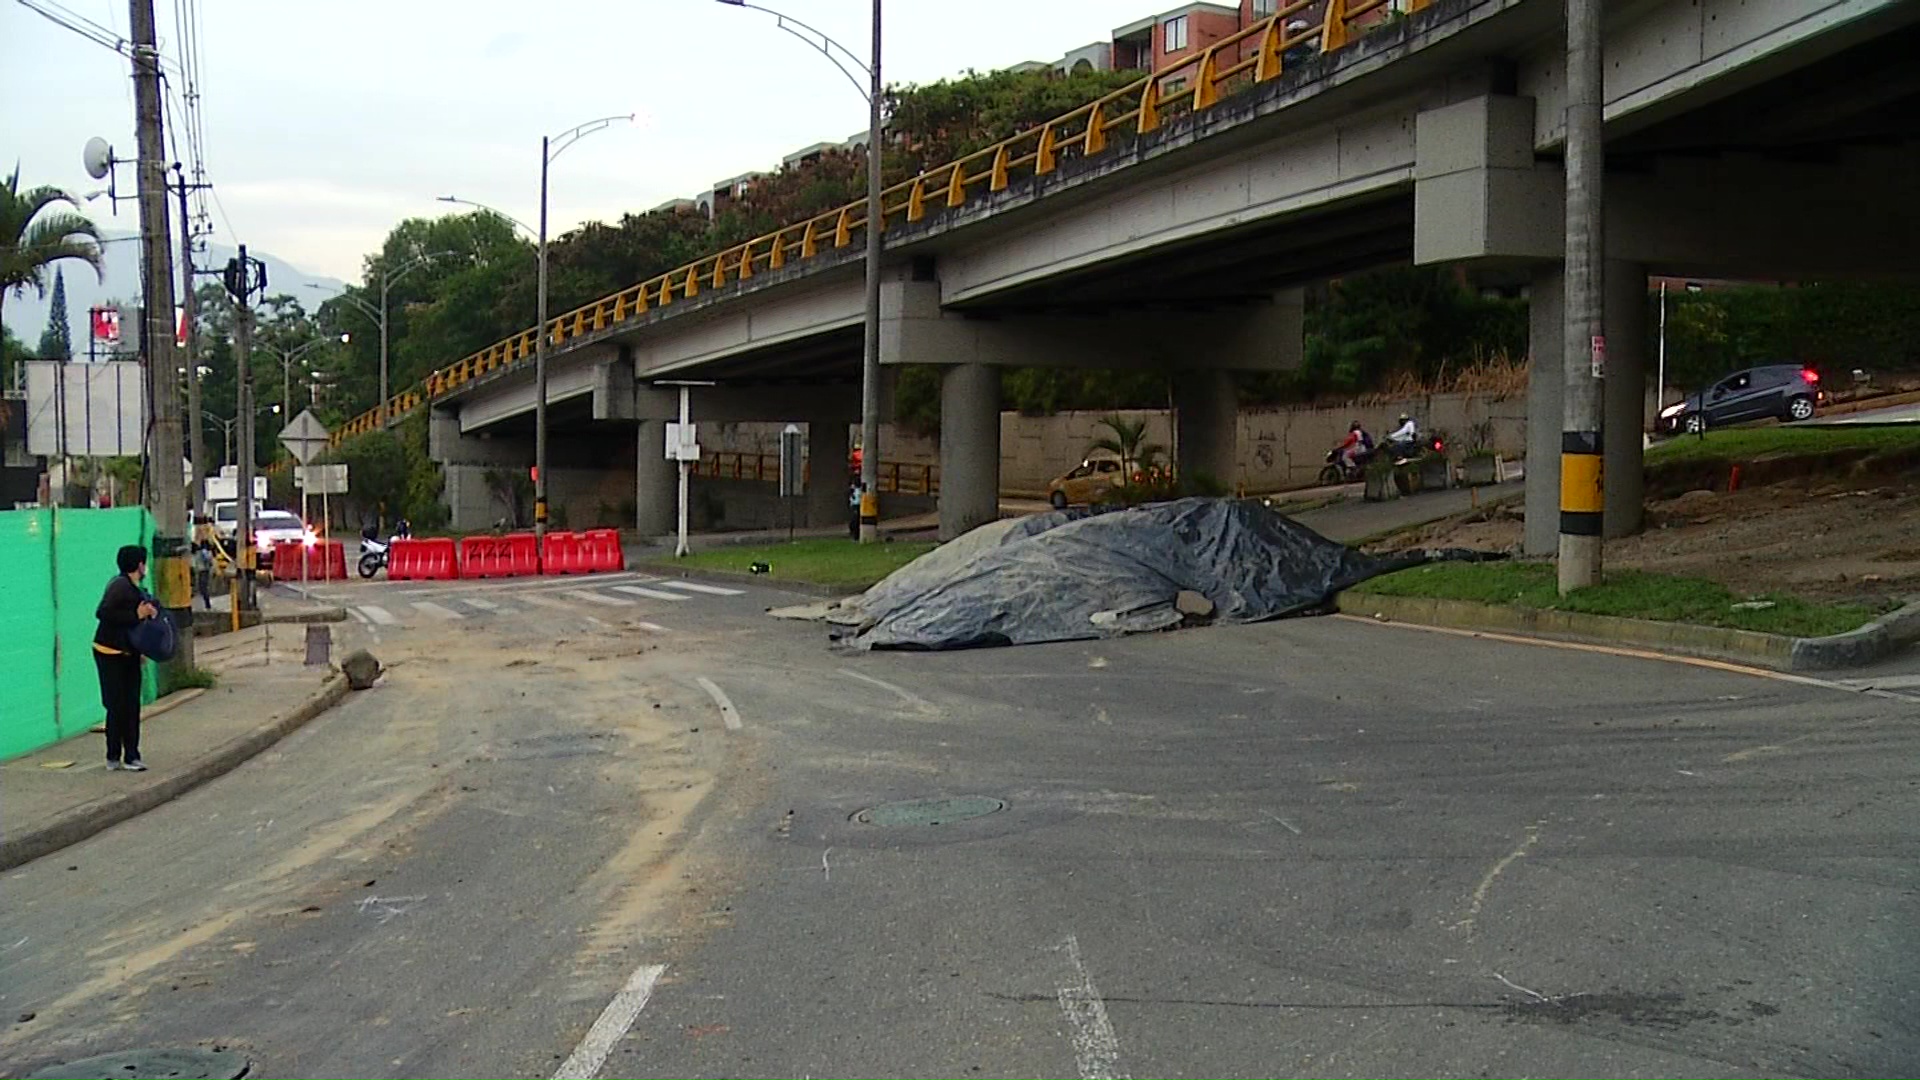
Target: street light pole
pixel 550 147
pixel 379 317
pixel 870 360
pixel 540 367
pixel 876 224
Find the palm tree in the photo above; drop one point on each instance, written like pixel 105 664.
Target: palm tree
pixel 1129 442
pixel 32 238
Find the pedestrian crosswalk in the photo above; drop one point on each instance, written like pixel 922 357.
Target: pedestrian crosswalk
pixel 425 604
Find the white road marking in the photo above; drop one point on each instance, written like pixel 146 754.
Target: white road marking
pixel 653 628
pixel 483 605
pixel 432 608
pixel 362 619
pixel 599 598
pixel 1095 1049
pixel 379 614
pixel 651 594
pixel 727 712
pixel 904 695
pixel 587 1058
pixel 548 602
pixel 695 586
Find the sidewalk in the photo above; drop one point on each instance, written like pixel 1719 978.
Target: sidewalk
pixel 63 793
pixel 1354 520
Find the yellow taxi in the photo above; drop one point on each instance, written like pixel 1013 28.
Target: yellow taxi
pixel 1091 483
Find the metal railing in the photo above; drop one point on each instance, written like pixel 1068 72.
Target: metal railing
pixel 896 477
pixel 1248 57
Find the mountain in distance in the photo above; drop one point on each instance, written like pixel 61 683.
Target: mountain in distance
pixel 26 315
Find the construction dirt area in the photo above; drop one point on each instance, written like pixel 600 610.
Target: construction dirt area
pixel 1837 539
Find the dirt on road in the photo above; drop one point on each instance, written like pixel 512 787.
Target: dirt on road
pixel 1817 538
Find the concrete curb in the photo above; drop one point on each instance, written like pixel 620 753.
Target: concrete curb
pixel 97 816
pixel 1777 651
pixel 1856 648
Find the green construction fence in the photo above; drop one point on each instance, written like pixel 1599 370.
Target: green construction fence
pixel 54 564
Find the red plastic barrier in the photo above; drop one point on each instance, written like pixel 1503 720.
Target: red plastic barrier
pixel 293 560
pixel 562 555
pixel 601 549
pixel 423 560
pixel 523 554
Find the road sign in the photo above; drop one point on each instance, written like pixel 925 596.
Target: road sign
pixel 305 437
pixel 683 442
pixel 321 479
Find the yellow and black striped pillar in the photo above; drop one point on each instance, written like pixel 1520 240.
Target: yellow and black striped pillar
pixel 1582 489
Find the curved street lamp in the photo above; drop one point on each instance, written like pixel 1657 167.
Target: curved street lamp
pixel 501 214
pixel 551 147
pixel 876 221
pixel 379 315
pixel 288 356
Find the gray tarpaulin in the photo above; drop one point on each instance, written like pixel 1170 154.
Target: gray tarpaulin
pixel 1068 576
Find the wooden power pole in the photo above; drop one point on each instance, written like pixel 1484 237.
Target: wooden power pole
pixel 166 481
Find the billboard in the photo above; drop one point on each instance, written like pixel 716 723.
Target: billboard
pixel 86 410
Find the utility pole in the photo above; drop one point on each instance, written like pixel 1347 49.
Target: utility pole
pixel 196 431
pixel 870 358
pixel 244 277
pixel 1582 492
pixel 167 497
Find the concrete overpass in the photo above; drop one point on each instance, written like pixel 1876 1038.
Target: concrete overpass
pixel 1771 138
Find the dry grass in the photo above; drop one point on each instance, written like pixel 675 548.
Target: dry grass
pixel 1495 375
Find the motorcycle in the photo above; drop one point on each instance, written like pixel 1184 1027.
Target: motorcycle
pixel 1340 471
pixel 373 551
pixel 373 556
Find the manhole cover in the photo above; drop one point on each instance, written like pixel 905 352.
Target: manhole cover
pixel 152 1065
pixel 929 811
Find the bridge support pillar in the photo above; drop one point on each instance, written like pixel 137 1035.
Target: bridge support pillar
pixel 969 448
pixel 1545 380
pixel 465 460
pixel 656 495
pixel 827 482
pixel 1208 425
pixel 1624 402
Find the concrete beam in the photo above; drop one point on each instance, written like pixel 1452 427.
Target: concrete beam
pixel 767 404
pixel 1727 216
pixel 916 329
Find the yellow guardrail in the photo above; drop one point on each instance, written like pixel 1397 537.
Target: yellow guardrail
pixel 1245 58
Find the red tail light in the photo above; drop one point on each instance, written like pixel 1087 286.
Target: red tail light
pixel 1809 375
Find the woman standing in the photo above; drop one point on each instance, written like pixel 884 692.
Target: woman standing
pixel 121 609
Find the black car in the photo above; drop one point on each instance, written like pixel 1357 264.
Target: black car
pixel 1786 391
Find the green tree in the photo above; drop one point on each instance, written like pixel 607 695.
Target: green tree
pixel 1127 440
pixel 12 351
pixel 56 342
pixel 34 236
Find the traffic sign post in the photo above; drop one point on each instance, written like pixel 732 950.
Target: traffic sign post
pixel 305 437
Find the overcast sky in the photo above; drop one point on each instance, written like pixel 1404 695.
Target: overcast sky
pixel 327 123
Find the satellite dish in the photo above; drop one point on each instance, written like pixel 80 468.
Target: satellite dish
pixel 98 157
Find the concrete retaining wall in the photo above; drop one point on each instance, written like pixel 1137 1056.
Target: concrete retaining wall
pixel 1277 448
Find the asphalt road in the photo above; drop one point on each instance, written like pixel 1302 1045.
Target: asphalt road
pixel 1318 847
